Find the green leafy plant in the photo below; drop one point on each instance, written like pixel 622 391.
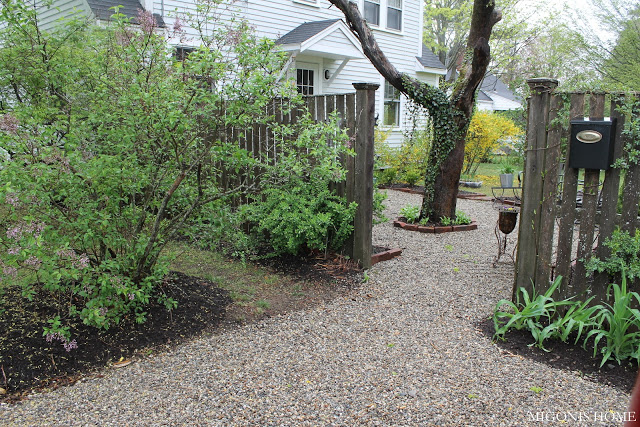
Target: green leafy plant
pixel 387 176
pixel 619 326
pixel 461 218
pixel 411 177
pixel 378 207
pixel 424 221
pixel 530 312
pixel 625 255
pixel 411 213
pixel 506 168
pixel 445 220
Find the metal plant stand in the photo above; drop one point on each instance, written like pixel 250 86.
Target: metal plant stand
pixel 507 219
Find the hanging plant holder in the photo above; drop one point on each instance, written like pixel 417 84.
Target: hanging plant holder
pixel 507 219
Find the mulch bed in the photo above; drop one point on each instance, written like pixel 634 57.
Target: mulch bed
pixel 565 356
pixel 28 361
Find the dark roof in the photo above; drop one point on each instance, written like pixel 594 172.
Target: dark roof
pixel 429 59
pixel 102 9
pixel 483 96
pixel 492 83
pixel 305 31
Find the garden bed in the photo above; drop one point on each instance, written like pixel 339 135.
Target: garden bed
pixel 435 228
pixel 233 293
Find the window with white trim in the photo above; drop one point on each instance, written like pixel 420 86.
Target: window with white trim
pixel 372 12
pixel 304 81
pixel 391 105
pixel 394 14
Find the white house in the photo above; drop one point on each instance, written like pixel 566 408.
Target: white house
pixel 325 57
pixel 494 95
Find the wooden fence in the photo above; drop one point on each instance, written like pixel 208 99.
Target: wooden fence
pixel 357 116
pixel 550 221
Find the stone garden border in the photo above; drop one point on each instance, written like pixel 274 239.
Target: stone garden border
pixel 437 229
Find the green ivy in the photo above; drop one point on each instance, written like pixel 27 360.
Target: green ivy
pixel 445 133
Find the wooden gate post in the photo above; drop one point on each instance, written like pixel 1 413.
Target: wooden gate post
pixel 362 191
pixel 532 187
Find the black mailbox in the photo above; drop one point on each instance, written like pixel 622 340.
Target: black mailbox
pixel 592 144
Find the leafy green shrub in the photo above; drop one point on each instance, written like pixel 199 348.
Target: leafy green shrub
pixel 625 255
pixel 411 212
pixel 303 217
pixel 409 158
pixel 111 151
pixel 411 177
pixel 387 176
pixel 296 210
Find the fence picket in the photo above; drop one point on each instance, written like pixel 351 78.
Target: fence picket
pixel 549 195
pixel 568 208
pixel 532 187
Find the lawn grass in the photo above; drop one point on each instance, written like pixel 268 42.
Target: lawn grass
pixel 489 174
pixel 242 280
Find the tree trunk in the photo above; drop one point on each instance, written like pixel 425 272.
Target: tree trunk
pixel 450 116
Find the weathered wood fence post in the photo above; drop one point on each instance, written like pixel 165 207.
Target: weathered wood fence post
pixel 527 261
pixel 360 189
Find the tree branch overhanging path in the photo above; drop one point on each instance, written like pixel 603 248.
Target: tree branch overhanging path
pixel 450 114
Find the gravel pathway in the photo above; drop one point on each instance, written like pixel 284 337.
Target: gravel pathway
pixel 403 349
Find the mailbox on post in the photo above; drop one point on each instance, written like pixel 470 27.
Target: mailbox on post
pixel 592 144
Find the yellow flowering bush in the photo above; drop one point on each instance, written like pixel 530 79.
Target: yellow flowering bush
pixel 406 163
pixel 486 131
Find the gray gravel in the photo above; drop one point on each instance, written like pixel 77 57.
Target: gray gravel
pixel 403 349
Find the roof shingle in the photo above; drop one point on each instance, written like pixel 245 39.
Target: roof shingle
pixel 102 9
pixel 305 31
pixel 429 59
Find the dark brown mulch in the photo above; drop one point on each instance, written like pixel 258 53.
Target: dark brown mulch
pixel 28 361
pixel 566 357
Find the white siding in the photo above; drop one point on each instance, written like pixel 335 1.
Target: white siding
pixel 49 17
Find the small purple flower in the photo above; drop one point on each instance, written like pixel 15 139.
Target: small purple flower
pixel 177 25
pixel 146 20
pixel 12 199
pixel 82 263
pixel 34 262
pixel 55 336
pixel 10 271
pixel 13 251
pixel 132 297
pixel 70 345
pixel 15 233
pixel 103 311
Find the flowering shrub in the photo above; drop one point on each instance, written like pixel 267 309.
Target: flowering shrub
pixel 111 147
pixel 485 133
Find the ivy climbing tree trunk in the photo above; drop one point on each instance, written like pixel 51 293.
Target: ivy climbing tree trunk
pixel 451 115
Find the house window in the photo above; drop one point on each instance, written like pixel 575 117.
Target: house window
pixel 394 14
pixel 182 53
pixel 391 105
pixel 304 81
pixel 372 12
